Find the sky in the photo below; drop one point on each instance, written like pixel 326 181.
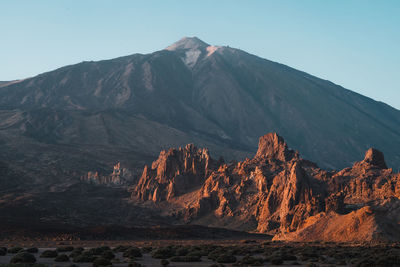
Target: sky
pixel 353 43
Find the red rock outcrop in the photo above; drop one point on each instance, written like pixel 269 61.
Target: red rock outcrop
pixel 269 192
pixel 277 192
pixel 175 172
pixel 273 146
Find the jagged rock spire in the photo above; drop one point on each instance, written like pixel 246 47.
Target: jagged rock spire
pixel 375 158
pixel 274 146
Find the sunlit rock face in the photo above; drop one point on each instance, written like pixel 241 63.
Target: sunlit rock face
pixel 175 172
pixel 276 192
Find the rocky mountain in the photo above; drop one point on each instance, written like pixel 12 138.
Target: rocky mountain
pixel 279 193
pixel 62 133
pixel 87 116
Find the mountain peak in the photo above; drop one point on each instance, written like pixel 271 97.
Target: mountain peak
pixel 187 43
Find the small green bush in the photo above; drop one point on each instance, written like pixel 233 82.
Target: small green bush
pixel 75 252
pixel 15 250
pixel 49 254
pixel 213 255
pixel 98 251
pixel 84 257
pixel 32 250
pixel 109 254
pixel 248 260
pixel 132 252
pixel 198 253
pixel 182 251
pixel 164 262
pixel 185 259
pixel 226 258
pixel 101 262
pixel 65 249
pixel 61 258
pixel 121 248
pixel 146 249
pixel 276 261
pixel 23 257
pixel 287 257
pixel 163 253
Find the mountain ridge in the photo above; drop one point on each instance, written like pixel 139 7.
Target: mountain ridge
pixel 224 101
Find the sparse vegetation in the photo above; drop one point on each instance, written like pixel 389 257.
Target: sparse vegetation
pixel 61 258
pixel 14 250
pixel 76 252
pixel 32 250
pixel 147 249
pixel 84 257
pixel 98 250
pixel 101 262
pixel 163 253
pixel 109 254
pixel 65 249
pixel 132 252
pixel 276 261
pixel 164 262
pixel 229 255
pixel 23 257
pixel 120 248
pixel 226 258
pixel 49 254
pixel 249 260
pixel 185 259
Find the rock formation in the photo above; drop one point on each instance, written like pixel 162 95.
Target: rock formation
pixel 119 176
pixel 277 192
pixel 175 172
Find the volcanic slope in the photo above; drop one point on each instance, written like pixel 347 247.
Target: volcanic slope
pixel 89 115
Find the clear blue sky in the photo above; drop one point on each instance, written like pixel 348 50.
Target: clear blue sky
pixel 352 43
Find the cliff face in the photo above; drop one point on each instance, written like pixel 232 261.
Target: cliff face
pixel 276 192
pixel 272 191
pixel 175 172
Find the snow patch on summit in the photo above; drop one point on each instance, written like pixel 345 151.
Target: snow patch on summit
pixel 191 57
pixel 211 49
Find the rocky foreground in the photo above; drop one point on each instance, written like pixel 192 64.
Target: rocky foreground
pixel 276 192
